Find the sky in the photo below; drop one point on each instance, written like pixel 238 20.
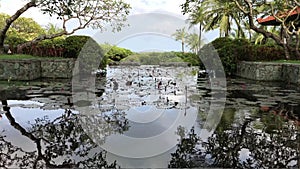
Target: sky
pixel 152 22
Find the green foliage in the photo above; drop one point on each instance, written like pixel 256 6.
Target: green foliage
pixel 23 28
pixel 18 56
pixel 115 53
pixel 181 35
pixel 154 58
pixel 228 50
pixel 74 44
pixel 14 41
pixel 231 51
pixel 191 58
pixel 88 13
pixel 47 48
pixel 56 42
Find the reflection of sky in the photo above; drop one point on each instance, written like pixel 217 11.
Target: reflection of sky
pixel 25 117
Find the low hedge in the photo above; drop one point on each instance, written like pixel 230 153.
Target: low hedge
pixel 231 51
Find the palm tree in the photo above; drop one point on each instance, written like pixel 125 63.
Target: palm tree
pixel 180 35
pixel 192 41
pixel 195 18
pixel 220 14
pixel 53 29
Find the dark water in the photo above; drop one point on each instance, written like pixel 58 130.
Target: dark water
pixel 136 123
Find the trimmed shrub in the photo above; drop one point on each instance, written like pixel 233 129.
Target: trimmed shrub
pixel 73 45
pixel 231 51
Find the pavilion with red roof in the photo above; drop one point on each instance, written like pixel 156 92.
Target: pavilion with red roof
pixel 272 21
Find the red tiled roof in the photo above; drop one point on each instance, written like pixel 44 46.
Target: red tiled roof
pixel 271 20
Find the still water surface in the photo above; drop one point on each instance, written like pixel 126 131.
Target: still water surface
pixel 152 117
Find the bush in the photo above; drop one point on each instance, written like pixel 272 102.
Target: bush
pixel 231 51
pixel 91 57
pixel 227 49
pixel 73 45
pixel 115 54
pixel 13 42
pixel 154 58
pixel 47 48
pixel 191 58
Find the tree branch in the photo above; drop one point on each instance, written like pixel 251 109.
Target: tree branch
pixel 14 17
pixel 240 7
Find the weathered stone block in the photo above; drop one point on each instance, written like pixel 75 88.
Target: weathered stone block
pixel 264 71
pixel 61 68
pixel 20 69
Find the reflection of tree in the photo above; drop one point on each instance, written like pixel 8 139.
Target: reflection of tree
pixel 277 149
pixel 59 140
pixel 186 155
pixel 224 146
pixel 11 155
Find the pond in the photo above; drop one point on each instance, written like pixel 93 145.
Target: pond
pixel 150 117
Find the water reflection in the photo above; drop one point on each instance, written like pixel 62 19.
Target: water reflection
pixel 58 143
pixel 259 128
pixel 258 140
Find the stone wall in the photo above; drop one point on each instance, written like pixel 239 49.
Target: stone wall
pixel 184 64
pixel 61 68
pixel 30 69
pixel 291 73
pixel 20 69
pixel 264 71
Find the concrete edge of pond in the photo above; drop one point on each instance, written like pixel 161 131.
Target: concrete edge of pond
pixel 31 69
pixel 268 71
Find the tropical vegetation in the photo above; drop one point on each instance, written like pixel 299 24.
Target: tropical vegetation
pixel 113 12
pixel 155 58
pixel 236 18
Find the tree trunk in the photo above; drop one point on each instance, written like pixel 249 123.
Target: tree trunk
pixel 38 39
pixel 250 35
pixel 297 45
pixel 200 36
pixel 182 46
pixel 278 39
pixel 10 20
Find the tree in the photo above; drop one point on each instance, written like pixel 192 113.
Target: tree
pixel 249 10
pixel 23 27
pixel 195 18
pixel 180 35
pixel 280 10
pixel 192 41
pixel 53 29
pixel 85 13
pixel 213 14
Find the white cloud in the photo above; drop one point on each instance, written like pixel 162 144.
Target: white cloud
pixel 168 7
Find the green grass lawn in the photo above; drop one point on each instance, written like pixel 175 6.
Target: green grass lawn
pixel 17 56
pixel 287 61
pixel 21 56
